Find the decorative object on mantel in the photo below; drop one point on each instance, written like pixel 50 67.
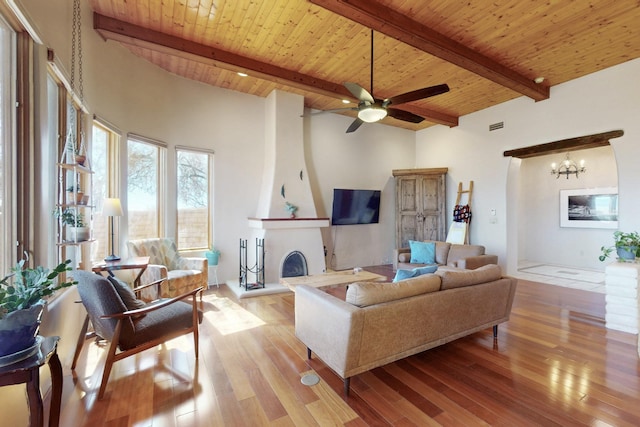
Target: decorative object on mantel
pixel 626 245
pixel 567 167
pixel 22 303
pixel 291 209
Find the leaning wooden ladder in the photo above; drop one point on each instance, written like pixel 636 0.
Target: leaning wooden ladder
pixel 461 225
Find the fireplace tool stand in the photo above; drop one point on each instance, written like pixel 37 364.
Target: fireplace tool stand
pixel 257 269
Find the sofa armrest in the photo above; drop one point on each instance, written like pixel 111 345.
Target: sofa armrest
pixel 473 262
pixel 329 327
pixel 396 256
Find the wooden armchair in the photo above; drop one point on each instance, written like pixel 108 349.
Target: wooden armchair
pixel 165 262
pixel 131 325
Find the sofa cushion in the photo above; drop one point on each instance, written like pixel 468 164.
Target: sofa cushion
pixel 458 252
pixel 418 271
pixel 442 251
pixel 457 279
pixel 363 294
pixel 422 252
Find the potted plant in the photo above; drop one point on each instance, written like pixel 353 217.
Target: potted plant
pixel 212 255
pixel 75 228
pixel 22 303
pixel 626 246
pixel 74 195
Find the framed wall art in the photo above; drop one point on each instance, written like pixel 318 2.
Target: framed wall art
pixel 589 208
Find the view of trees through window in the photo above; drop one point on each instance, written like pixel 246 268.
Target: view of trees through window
pixel 143 189
pixel 193 189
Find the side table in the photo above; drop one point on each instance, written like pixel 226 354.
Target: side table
pixel 109 267
pixel 28 371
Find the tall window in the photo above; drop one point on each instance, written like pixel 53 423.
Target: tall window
pixel 194 198
pixel 146 163
pixel 104 155
pixel 7 243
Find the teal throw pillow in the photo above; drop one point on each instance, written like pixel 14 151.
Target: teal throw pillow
pixel 422 252
pixel 407 274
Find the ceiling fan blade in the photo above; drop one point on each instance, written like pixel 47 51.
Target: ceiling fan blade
pixel 354 126
pixel 335 110
pixel 417 94
pixel 359 92
pixel 404 115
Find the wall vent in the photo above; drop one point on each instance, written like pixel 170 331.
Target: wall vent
pixel 496 126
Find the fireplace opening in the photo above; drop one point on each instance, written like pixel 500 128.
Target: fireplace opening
pixel 295 264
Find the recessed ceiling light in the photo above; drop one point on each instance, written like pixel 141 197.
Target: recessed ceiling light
pixel 539 79
pixel 241 74
pixel 346 101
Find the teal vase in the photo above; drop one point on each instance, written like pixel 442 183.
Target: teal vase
pixel 212 257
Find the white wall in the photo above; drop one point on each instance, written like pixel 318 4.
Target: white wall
pixel 596 103
pixel 360 160
pixel 540 205
pixel 139 97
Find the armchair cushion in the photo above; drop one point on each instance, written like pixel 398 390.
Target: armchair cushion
pixel 126 294
pixel 157 324
pixel 183 273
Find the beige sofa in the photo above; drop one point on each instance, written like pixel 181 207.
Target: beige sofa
pixel 380 322
pixel 453 255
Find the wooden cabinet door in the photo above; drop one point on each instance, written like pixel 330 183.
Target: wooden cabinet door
pixel 431 216
pixel 408 190
pixel 420 205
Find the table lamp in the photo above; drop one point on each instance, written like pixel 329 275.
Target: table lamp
pixel 112 207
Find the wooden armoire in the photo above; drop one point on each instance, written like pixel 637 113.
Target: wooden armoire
pixel 420 205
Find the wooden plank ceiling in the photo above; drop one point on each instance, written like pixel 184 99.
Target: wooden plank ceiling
pixel 487 51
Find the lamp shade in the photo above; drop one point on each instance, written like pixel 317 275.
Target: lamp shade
pixel 111 207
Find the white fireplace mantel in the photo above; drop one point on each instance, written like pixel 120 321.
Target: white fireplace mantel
pixel 287 223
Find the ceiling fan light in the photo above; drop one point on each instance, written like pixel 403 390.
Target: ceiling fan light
pixel 372 114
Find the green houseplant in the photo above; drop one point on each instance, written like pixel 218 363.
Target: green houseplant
pixel 22 303
pixel 626 246
pixel 75 227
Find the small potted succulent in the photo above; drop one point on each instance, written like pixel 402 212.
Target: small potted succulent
pixel 22 303
pixel 626 245
pixel 74 195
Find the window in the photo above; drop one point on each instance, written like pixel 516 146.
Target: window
pixel 194 198
pixel 104 152
pixel 7 100
pixel 146 163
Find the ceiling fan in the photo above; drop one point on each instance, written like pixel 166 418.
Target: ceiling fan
pixel 371 110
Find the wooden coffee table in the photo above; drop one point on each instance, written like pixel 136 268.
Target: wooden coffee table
pixel 332 279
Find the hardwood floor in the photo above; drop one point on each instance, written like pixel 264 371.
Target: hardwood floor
pixel 554 363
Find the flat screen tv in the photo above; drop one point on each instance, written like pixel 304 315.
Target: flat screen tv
pixel 355 207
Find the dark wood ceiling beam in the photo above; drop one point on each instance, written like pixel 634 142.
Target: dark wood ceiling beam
pixel 124 32
pixel 432 115
pixel 387 21
pixel 562 146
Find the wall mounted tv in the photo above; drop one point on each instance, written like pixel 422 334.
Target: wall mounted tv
pixel 355 207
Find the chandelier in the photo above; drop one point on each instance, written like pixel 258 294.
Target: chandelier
pixel 567 167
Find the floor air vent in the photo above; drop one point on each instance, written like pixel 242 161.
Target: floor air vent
pixel 496 126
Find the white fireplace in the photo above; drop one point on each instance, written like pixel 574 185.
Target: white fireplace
pixel 285 180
